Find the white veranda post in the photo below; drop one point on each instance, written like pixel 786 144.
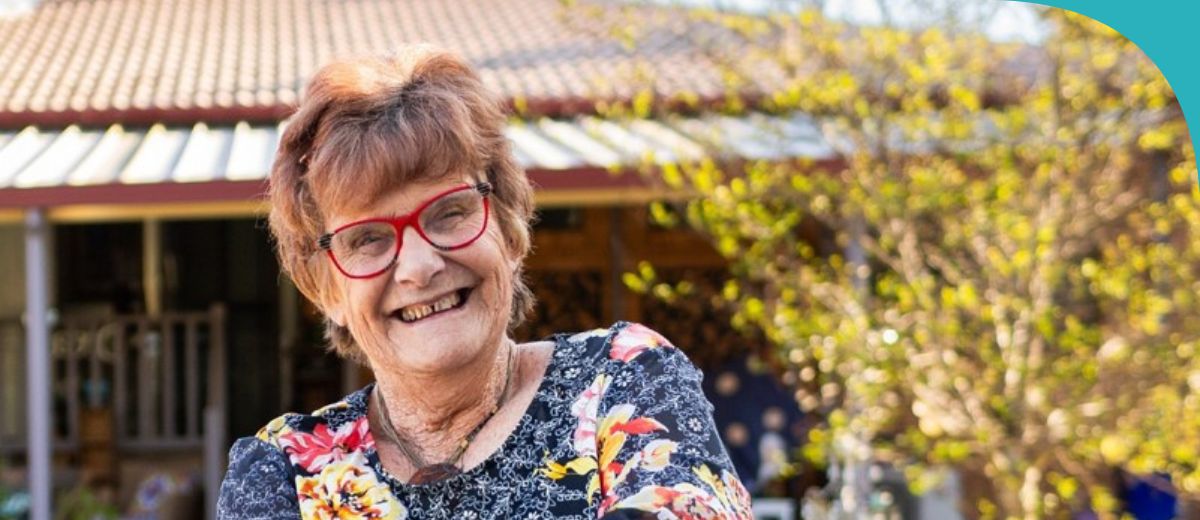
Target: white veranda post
pixel 37 348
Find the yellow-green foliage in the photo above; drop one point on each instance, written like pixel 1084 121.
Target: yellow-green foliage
pixel 1030 215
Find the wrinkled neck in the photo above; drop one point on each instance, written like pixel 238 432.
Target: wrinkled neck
pixel 434 412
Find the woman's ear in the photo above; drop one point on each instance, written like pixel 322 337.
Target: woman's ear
pixel 513 257
pixel 330 299
pixel 336 315
pixel 514 262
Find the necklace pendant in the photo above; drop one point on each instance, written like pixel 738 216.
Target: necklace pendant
pixel 434 473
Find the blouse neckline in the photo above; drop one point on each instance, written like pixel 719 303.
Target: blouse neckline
pixel 525 422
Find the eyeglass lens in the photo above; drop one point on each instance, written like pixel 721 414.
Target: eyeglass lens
pixel 450 221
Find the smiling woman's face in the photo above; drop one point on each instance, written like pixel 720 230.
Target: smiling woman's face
pixel 393 316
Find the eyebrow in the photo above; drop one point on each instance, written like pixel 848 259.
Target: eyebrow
pixel 441 191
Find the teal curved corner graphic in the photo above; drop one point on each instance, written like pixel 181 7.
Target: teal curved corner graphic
pixel 1168 31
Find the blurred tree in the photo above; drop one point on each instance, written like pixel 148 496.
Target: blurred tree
pixel 1012 288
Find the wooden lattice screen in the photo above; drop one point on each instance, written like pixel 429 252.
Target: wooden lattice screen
pixel 157 375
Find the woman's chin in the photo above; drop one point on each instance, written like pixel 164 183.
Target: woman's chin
pixel 438 342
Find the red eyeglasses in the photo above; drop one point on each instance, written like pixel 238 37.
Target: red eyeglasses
pixel 453 219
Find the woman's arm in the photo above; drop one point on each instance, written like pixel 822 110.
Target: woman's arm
pixel 656 444
pixel 259 484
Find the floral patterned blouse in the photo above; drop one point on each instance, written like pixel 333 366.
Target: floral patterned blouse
pixel 619 428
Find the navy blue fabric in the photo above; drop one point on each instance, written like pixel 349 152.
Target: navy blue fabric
pixel 665 452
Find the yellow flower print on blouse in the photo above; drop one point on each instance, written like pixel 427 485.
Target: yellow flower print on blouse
pixel 334 407
pixel 347 490
pixel 610 435
pixel 725 498
pixel 271 432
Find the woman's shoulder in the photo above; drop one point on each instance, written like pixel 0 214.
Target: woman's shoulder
pixel 260 480
pixel 623 345
pixel 346 417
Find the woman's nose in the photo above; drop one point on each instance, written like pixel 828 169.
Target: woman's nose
pixel 418 260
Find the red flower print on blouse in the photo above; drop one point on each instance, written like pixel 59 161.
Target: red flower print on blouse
pixel 634 339
pixel 315 450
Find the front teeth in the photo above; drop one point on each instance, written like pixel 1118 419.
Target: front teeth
pixel 416 312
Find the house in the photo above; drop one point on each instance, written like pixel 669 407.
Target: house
pixel 135 139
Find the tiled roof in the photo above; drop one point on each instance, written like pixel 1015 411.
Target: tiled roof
pixel 99 62
pixel 554 151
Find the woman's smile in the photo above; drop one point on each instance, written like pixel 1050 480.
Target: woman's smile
pixel 446 304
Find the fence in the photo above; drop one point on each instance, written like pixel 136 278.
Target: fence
pixel 158 374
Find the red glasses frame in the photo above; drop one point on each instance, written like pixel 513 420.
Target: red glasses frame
pixel 412 219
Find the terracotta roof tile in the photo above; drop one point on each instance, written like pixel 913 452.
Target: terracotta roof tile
pixel 96 62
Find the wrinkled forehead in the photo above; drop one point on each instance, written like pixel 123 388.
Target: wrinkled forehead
pixel 352 171
pixel 401 200
pixel 379 194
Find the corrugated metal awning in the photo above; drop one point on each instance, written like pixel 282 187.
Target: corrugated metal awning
pixel 164 164
pixel 75 157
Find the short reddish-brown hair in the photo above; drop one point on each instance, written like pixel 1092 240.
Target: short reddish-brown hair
pixel 368 126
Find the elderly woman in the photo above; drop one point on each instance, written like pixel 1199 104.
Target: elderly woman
pixel 400 211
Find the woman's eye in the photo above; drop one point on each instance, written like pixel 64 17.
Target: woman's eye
pixel 366 240
pixel 449 216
